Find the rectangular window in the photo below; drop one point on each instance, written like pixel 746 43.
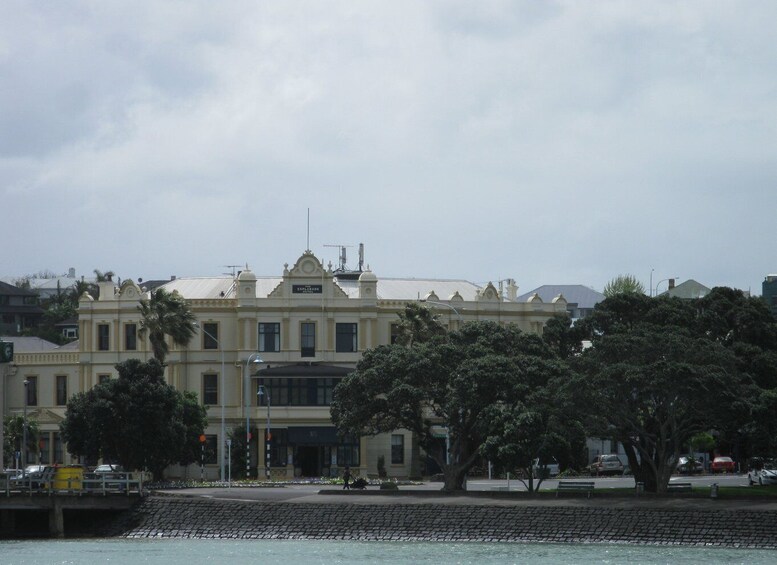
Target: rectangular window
pixel 61 390
pixel 32 391
pixel 211 450
pixel 130 337
pixel 394 333
pixel 348 453
pixel 210 335
pixel 103 337
pixel 298 392
pixel 397 449
pixel 308 339
pixel 269 337
pixel 345 338
pixel 58 457
pixel 210 390
pixel 279 444
pixel 101 379
pixel 43 445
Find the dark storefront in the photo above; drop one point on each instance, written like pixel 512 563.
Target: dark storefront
pixel 314 451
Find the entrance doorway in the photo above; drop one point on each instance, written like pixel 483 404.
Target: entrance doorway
pixel 309 460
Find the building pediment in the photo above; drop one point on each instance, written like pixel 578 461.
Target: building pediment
pixel 307 278
pixel 44 416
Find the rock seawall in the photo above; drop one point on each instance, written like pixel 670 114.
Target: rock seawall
pixel 174 517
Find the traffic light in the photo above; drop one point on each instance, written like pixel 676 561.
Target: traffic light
pixel 6 352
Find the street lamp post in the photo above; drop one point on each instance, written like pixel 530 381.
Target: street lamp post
pixel 253 358
pixel 445 304
pixel 461 321
pixel 659 284
pixel 24 427
pixel 268 437
pixel 221 395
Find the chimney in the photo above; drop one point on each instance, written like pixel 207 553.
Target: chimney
pixel 671 284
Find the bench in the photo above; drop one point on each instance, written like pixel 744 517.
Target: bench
pixel 575 486
pixel 679 487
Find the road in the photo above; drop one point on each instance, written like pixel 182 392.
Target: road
pixel 610 482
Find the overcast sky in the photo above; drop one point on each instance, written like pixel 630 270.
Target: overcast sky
pixel 550 142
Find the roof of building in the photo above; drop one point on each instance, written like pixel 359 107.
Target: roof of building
pixel 13 290
pixel 387 289
pixel 688 289
pixel 25 344
pixel 579 294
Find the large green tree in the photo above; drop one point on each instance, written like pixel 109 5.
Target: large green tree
pixel 166 314
pixel 447 386
pixel 661 370
pixel 136 420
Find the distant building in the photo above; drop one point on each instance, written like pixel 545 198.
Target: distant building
pixel 769 292
pixel 580 299
pixel 19 309
pixel 688 290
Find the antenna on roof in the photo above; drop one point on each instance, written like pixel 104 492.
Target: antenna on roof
pixel 343 256
pixel 233 267
pixel 307 248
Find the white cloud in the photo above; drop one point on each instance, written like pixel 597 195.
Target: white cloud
pixel 547 141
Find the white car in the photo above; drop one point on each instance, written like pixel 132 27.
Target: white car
pixel 763 473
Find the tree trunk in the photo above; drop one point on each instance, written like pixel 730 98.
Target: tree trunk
pixel 454 477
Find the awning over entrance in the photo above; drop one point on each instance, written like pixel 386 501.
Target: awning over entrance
pixel 304 370
pixel 313 435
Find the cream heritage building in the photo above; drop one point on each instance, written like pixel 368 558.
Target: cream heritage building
pixel 308 327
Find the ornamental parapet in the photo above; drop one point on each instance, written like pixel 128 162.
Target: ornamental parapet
pixel 47 358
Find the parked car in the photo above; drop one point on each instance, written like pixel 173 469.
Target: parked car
pixel 30 477
pixel 606 465
pixel 762 471
pixel 689 466
pixel 545 468
pixel 108 468
pixel 723 465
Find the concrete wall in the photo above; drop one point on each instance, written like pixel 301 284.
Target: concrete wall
pixel 207 518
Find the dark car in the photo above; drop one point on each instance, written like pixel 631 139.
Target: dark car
pixel 689 466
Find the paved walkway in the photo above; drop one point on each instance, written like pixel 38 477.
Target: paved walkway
pixel 429 493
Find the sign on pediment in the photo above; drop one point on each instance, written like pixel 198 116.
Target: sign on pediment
pixel 44 416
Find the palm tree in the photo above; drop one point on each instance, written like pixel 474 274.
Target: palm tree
pixel 165 314
pixel 623 284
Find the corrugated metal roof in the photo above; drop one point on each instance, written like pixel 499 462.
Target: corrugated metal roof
pixel 388 289
pixel 30 344
pixel 579 294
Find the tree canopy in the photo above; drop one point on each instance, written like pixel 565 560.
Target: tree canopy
pixel 136 420
pixel 166 314
pixel 662 370
pixel 460 385
pixel 623 284
pixel 13 434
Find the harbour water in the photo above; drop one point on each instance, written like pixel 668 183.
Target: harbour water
pixel 219 551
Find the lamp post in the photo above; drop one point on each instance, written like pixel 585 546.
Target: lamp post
pixel 253 358
pixel 458 314
pixel 24 427
pixel 659 283
pixel 268 437
pixel 221 396
pixel 447 431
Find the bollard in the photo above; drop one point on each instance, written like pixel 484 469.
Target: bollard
pixel 714 490
pixel 639 489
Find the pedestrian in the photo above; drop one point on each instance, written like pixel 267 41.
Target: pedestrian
pixel 346 478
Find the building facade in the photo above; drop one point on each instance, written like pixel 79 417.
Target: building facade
pixel 292 337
